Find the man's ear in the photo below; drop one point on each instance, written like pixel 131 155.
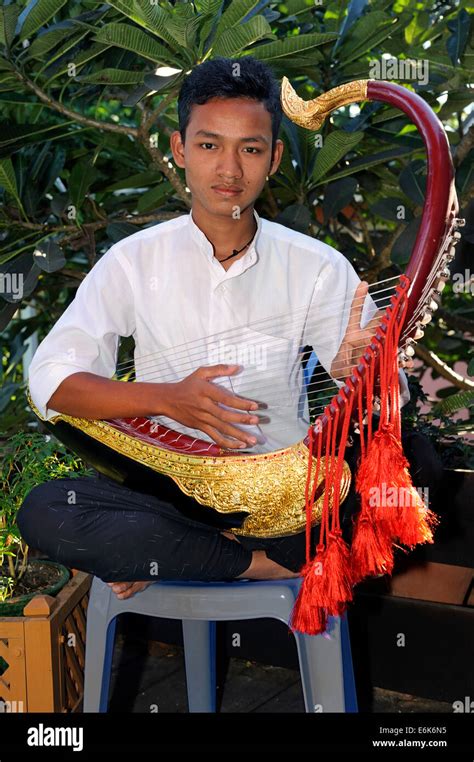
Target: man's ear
pixel 277 155
pixel 177 148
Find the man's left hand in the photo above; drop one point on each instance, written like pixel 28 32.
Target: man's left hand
pixel 356 338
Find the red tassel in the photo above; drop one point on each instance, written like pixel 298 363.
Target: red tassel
pixel 399 510
pixel 337 578
pixel 308 615
pixel 329 577
pixel 372 550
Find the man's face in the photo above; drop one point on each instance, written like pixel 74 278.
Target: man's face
pixel 227 157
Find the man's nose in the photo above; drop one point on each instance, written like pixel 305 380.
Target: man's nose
pixel 230 166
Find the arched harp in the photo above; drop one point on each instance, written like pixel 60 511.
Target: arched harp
pixel 264 494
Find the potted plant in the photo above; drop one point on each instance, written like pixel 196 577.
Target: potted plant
pixel 42 603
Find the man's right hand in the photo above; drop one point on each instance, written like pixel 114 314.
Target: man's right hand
pixel 196 402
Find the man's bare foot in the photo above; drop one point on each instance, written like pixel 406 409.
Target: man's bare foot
pixel 263 567
pixel 125 590
pixel 230 536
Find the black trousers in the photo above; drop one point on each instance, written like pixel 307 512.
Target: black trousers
pixel 118 534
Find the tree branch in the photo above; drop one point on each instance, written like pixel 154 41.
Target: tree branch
pixel 169 172
pixel 459 322
pixel 146 121
pixel 142 219
pixel 435 362
pixel 365 234
pixel 151 116
pixel 75 115
pixel 383 260
pixel 464 146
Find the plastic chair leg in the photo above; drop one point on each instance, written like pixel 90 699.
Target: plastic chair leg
pixel 100 642
pixel 350 690
pixel 321 669
pixel 199 639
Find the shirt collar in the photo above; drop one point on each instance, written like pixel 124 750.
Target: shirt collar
pixel 249 258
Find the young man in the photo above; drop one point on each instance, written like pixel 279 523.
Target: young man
pixel 174 284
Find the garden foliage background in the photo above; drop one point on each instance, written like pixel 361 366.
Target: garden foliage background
pixel 88 101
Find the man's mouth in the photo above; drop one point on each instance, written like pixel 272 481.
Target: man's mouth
pixel 227 190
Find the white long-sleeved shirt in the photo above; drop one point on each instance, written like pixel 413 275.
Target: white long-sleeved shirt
pixel 164 287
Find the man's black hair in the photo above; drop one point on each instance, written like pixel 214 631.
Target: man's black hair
pixel 244 77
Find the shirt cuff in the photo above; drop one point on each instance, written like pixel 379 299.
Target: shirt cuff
pixel 42 388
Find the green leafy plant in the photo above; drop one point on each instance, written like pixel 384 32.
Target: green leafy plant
pixel 27 459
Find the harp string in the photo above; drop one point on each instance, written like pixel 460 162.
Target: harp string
pixel 190 362
pixel 229 333
pixel 189 351
pixel 275 365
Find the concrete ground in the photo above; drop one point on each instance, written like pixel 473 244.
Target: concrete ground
pixel 148 676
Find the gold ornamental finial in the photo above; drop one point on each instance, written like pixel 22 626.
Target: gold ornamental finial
pixel 312 114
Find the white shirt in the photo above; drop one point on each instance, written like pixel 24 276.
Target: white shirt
pixel 164 287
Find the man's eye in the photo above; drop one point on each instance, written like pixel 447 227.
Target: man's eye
pixel 251 148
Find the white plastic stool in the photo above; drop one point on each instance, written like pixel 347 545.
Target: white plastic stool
pixel 325 660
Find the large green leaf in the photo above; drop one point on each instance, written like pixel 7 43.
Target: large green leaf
pixel 140 180
pixel 338 195
pixel 116 231
pixel 148 15
pixel 176 29
pixel 232 41
pixel 393 208
pixel 465 175
pixel 14 133
pixel 130 38
pixel 82 176
pixel 413 182
pixel 290 47
pixel 458 401
pixel 354 11
pixel 49 256
pixel 69 43
pixel 417 27
pixel 295 216
pixel 211 14
pixel 365 162
pixel 8 179
pixel 5 65
pixel 234 14
pixel 403 246
pixel 79 59
pixel 42 44
pixel 155 197
pixel 8 19
pixel 112 77
pixel 41 12
pixel 368 33
pixel 210 6
pixel 335 146
pixel 459 27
